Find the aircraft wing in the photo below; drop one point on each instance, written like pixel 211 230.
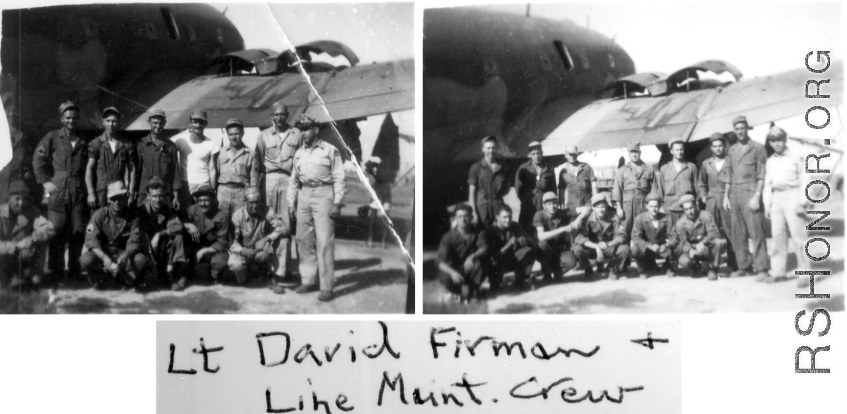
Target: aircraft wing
pixel 350 93
pixel 693 115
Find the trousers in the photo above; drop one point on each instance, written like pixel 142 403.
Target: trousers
pixel 276 186
pixel 786 223
pixel 712 255
pixel 747 224
pixel 316 236
pixel 520 260
pixel 617 256
pixel 70 231
pixel 230 200
pixel 723 218
pixel 555 258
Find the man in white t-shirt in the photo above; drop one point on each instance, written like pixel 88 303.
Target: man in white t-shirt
pixel 197 158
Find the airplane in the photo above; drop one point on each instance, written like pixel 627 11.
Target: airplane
pixel 178 58
pixel 525 79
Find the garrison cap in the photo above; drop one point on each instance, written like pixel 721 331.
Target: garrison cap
pixel 155 181
pixel 549 196
pixel 717 136
pixel 157 113
pixel 633 146
pixel 777 134
pixel 306 121
pixel 571 149
pixel 674 140
pixel 596 198
pixel 234 121
pixel 653 197
pixel 198 114
pixel 106 111
pixel 532 145
pixel 116 188
pixel 204 189
pixel 686 199
pixel 740 118
pixel 67 105
pixel 280 107
pixel 18 187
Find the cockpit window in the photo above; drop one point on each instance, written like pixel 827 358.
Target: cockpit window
pixel 564 54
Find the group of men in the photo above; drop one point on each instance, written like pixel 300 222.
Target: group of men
pixel 651 214
pixel 155 211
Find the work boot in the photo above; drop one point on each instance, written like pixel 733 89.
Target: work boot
pixel 712 275
pixel 306 289
pixel 613 274
pixel 179 285
pixel 670 272
pixel 740 273
pixel 642 275
pixel 325 296
pixel 763 276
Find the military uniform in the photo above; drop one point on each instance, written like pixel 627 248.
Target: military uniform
pixel 111 165
pixel 157 159
pixel 607 229
pixel 115 234
pixel 671 184
pixel 645 234
pixel 632 184
pixel 28 224
pixel 57 160
pixel 214 233
pixel 317 183
pixel 276 152
pixel 712 186
pixel 575 186
pixel 492 184
pixel 248 231
pixel 784 198
pixel 555 254
pixel 171 247
pixel 238 170
pixel 453 251
pixel 747 163
pixel 531 183
pixel 702 230
pixel 519 257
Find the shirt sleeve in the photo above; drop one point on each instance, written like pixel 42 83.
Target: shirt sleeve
pixel 712 231
pixel 94 149
pixel 761 162
pixel 682 233
pixel 339 186
pixel 255 165
pixel 133 244
pixel 42 229
pixel 473 175
pixel 444 249
pixel 293 185
pixel 41 160
pixel 591 176
pixel 617 187
pixel 92 233
pixel 236 232
pixel 638 234
pixel 673 237
pixel 703 181
pixel 620 236
pixel 222 235
pixel 561 178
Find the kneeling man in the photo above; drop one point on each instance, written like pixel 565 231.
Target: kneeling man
pixel 653 237
pixel 603 237
pixel 257 228
pixel 208 227
pixel 510 248
pixel 461 256
pixel 699 238
pixel 554 228
pixel 24 233
pixel 163 231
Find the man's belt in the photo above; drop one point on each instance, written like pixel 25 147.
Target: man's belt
pixel 637 191
pixel 314 183
pixel 785 188
pixel 233 185
pixel 278 171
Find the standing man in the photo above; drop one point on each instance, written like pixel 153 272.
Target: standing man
pixel 317 188
pixel 488 183
pixel 554 229
pixel 715 175
pixel 577 182
pixel 210 237
pixel 113 238
pixel 633 182
pixel 602 237
pixel 785 203
pixel 59 165
pixel 653 237
pixel 676 178
pixel 510 248
pixel 533 179
pixel 110 158
pixel 461 256
pixel 163 231
pixel 747 160
pixel 197 159
pixel 24 233
pixel 699 238
pixel 238 168
pixel 257 227
pixel 158 157
pixel 275 149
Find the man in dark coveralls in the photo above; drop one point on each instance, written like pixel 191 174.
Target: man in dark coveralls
pixel 602 237
pixel 554 229
pixel 510 248
pixel 158 157
pixel 163 230
pixel 461 256
pixel 653 237
pixel 59 165
pixel 110 158
pixel 633 182
pixel 209 231
pixel 533 179
pixel 488 183
pixel 699 239
pixel 715 175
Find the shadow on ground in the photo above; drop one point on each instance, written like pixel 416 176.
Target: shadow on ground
pixel 620 298
pixel 351 283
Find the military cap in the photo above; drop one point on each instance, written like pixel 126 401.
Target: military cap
pixel 777 134
pixel 652 197
pixel 154 182
pixel 306 121
pixel 278 106
pixel 674 140
pixel 740 118
pixel 571 149
pixel 67 105
pixel 106 111
pixel 489 138
pixel 633 146
pixel 198 114
pixel 596 198
pixel 549 196
pixel 717 136
pixel 234 121
pixel 116 188
pixel 685 199
pixel 204 189
pixel 532 145
pixel 157 113
pixel 18 187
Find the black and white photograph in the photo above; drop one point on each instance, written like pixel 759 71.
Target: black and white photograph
pixel 207 158
pixel 631 158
